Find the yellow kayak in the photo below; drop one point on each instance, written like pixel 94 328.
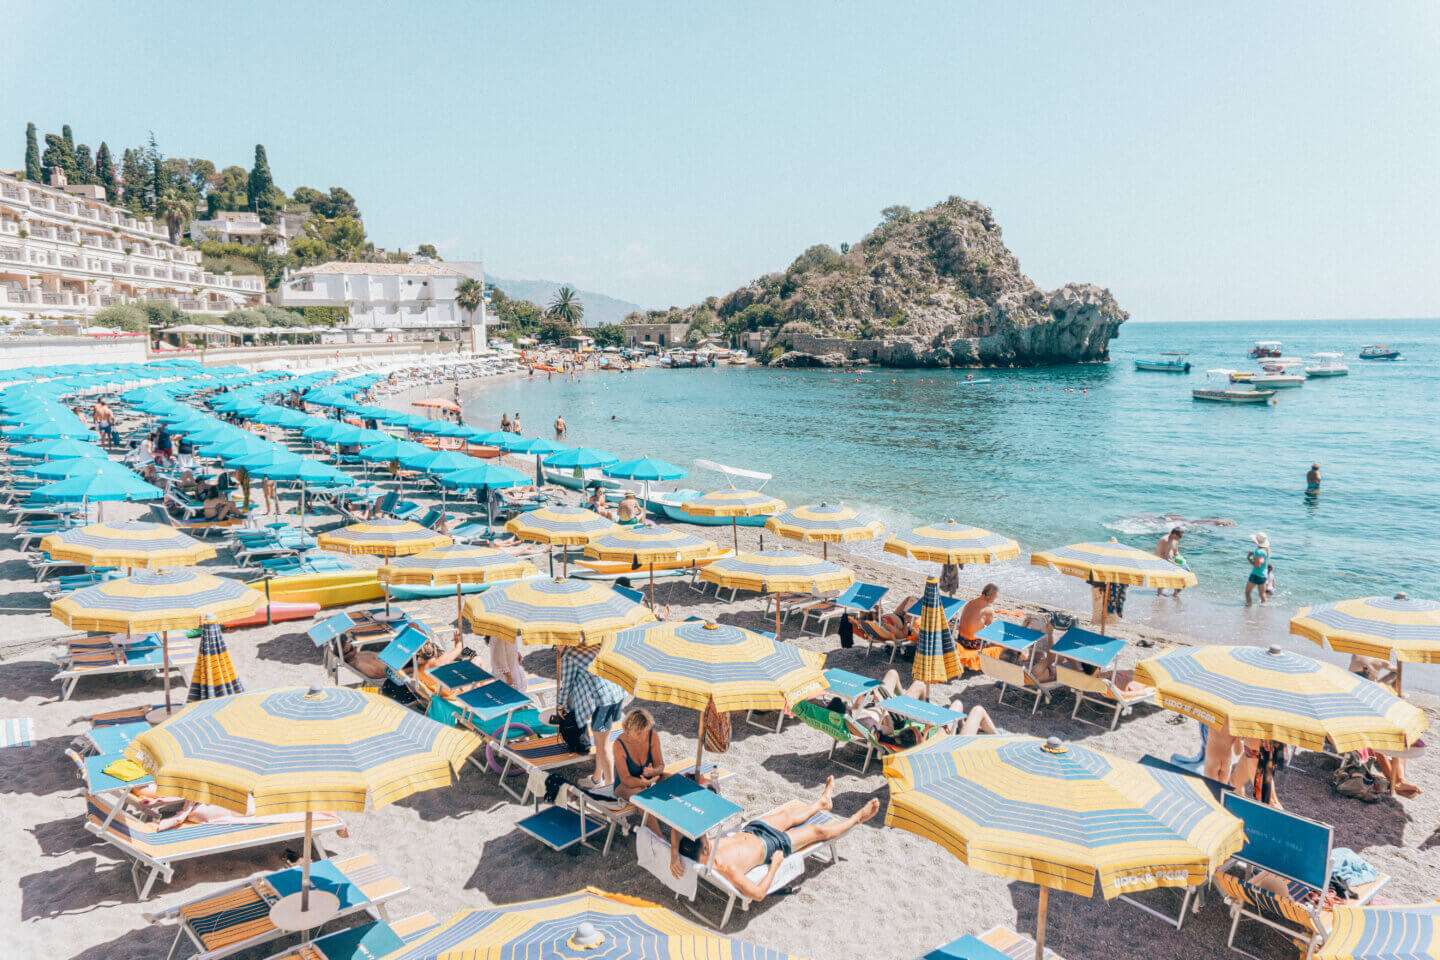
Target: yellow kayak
pixel 327 589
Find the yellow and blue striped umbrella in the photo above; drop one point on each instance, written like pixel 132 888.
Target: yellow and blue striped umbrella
pixel 650 545
pixel 775 571
pixel 384 537
pixel 936 659
pixel 1114 562
pixel 457 563
pixel 154 600
pixel 689 664
pixel 951 542
pixel 214 674
pixel 295 750
pixel 1273 694
pixel 127 543
pixel 1399 932
pixel 1375 627
pixel 734 503
pixel 1060 815
pixel 825 524
pixel 560 526
pixel 588 924
pixel 564 612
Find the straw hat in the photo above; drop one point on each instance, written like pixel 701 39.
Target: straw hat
pixel 1261 540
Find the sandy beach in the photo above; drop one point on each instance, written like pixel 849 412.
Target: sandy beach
pixel 893 894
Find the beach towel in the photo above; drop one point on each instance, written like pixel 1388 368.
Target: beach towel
pixel 19 732
pixel 716 724
pixel 652 853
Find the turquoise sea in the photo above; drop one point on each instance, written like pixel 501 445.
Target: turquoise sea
pixel 1087 452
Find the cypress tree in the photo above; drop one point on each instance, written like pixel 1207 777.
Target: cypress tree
pixel 132 177
pixel 105 171
pixel 156 184
pixel 32 155
pixel 84 165
pixel 60 154
pixel 65 135
pixel 260 180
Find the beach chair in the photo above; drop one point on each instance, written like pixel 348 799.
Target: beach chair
pixel 634 596
pixel 1287 851
pixel 861 598
pixel 1090 674
pixel 237 918
pixel 363 942
pixel 876 636
pixel 153 853
pixel 997 943
pixel 114 659
pixel 819 717
pixel 1008 659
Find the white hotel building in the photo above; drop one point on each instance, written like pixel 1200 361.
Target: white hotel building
pixel 65 252
pixel 397 299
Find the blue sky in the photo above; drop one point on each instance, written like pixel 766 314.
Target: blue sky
pixel 1231 161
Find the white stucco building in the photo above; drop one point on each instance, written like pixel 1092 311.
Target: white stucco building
pixel 65 252
pixel 392 298
pixel 242 226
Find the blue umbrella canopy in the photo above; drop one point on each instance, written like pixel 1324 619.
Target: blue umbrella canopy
pixel 583 458
pixel 97 487
pixel 303 470
pixel 645 468
pixel 391 449
pixel 59 450
pixel 77 467
pixel 484 476
pixel 536 446
pixel 439 461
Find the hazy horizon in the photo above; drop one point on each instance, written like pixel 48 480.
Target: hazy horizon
pixel 1233 161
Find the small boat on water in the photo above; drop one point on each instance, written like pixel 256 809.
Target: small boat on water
pixel 1169 362
pixel 1325 365
pixel 971 381
pixel 1233 396
pixel 667 505
pixel 1265 348
pixel 1378 351
pixel 1281 374
pixel 588 480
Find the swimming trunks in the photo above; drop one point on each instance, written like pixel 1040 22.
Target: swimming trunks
pixel 772 838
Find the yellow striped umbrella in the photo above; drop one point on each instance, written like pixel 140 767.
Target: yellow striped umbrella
pixel 824 524
pixel 385 538
pixel 294 750
pixel 936 659
pixel 561 527
pixel 649 545
pixel 457 564
pixel 777 571
pixel 1059 815
pixel 1277 695
pixel 734 504
pixel 589 924
pixel 127 543
pixel 1375 627
pixel 214 673
pixel 951 542
pixel 1114 562
pixel 564 612
pixel 1390 932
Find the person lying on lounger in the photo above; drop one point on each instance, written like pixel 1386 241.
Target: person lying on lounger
pixel 769 839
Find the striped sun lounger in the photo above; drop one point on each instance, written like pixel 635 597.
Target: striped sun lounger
pixel 997 943
pixel 153 853
pixel 364 942
pixel 19 732
pixel 112 660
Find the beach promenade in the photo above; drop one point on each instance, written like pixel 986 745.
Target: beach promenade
pixel 891 895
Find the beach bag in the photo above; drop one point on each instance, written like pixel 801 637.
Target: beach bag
pixel 716 726
pixel 576 737
pixel 847 633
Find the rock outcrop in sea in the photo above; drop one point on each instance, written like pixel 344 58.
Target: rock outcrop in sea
pixel 933 288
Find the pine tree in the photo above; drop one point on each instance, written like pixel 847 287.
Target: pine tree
pixel 32 155
pixel 105 172
pixel 58 153
pixel 132 178
pixel 155 186
pixel 84 165
pixel 65 135
pixel 260 180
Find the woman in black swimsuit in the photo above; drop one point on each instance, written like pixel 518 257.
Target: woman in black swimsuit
pixel 638 762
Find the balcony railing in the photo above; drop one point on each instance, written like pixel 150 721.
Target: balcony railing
pixel 20 296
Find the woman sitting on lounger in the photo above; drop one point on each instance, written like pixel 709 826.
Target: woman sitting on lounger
pixel 768 840
pixel 898 623
pixel 218 506
pixel 639 764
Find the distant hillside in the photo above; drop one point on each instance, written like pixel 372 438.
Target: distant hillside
pixel 598 307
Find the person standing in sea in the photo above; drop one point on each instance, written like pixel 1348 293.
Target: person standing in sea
pixel 560 425
pixel 1169 549
pixel 1312 480
pixel 505 422
pixel 1259 566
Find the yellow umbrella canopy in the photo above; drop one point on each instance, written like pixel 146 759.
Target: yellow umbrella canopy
pixel 384 538
pixel 824 524
pixel 564 612
pixel 456 563
pixel 154 600
pixel 1382 627
pixel 127 543
pixel 774 571
pixel 560 526
pixel 649 545
pixel 951 542
pixel 734 504
pixel 1114 562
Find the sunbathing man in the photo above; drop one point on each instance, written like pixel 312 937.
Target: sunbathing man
pixel 976 616
pixel 769 839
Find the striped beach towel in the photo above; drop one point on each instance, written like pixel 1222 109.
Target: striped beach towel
pixel 19 732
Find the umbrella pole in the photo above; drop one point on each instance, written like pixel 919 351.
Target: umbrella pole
pixel 1104 606
pixel 459 611
pixel 1040 923
pixel 652 585
pixel 777 615
pixel 699 746
pixel 269 617
pixel 1399 675
pixel 305 870
pixel 165 653
pixel 735 532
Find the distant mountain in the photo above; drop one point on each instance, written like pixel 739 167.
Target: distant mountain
pixel 598 307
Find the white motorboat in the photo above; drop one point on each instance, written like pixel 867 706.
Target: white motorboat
pixel 1326 365
pixel 1279 374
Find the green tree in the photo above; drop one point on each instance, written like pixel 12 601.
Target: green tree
pixel 428 250
pixel 132 178
pixel 174 209
pixel 58 154
pixel 318 202
pixel 308 251
pixel 202 174
pixel 155 185
pixel 554 328
pixel 609 335
pixel 566 306
pixel 84 165
pixel 105 172
pixel 893 213
pixel 469 295
pixel 68 137
pixel 32 155
pixel 260 182
pixel 345 237
pixel 342 204
pixel 122 317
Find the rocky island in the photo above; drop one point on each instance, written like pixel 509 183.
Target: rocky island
pixel 929 288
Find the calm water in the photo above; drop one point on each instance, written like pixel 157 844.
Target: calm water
pixel 1059 455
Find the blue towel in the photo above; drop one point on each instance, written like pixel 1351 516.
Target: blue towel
pixel 1351 867
pixel 18 732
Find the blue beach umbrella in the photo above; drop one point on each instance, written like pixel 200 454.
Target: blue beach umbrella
pixel 77 467
pixel 391 450
pixel 484 476
pixel 59 450
pixel 581 458
pixel 645 470
pixel 96 488
pixel 439 461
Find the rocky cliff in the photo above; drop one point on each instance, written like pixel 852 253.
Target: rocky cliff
pixel 936 287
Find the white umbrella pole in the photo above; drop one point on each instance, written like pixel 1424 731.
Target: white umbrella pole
pixel 305 870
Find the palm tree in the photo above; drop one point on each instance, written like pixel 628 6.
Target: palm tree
pixel 469 294
pixel 566 305
pixel 174 209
